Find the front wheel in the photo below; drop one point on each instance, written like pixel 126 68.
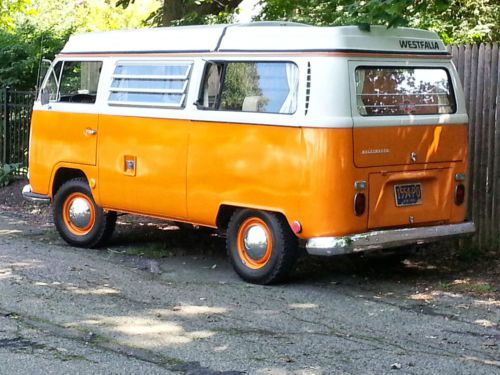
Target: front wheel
pixel 261 246
pixel 78 219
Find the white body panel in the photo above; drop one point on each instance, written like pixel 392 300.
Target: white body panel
pixel 331 99
pixel 257 37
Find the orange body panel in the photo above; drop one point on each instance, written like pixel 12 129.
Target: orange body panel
pixel 158 148
pixel 437 198
pixel 59 138
pixel 431 144
pixel 304 173
pixel 185 170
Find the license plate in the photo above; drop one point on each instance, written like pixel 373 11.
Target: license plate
pixel 408 194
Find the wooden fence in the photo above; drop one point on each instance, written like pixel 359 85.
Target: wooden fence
pixel 479 70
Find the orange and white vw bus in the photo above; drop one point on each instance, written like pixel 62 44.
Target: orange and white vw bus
pixel 280 135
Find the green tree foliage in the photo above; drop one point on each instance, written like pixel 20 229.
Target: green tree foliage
pixel 457 21
pixel 8 11
pixel 22 52
pixel 87 15
pixel 40 28
pixel 464 21
pixel 190 12
pixel 241 80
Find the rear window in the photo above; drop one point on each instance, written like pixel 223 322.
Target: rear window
pixel 396 91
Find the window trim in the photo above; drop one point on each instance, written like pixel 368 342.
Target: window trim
pixel 52 72
pixel 186 77
pixel 454 107
pixel 224 64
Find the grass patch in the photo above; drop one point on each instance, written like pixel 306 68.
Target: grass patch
pixel 470 253
pixel 155 250
pixel 468 286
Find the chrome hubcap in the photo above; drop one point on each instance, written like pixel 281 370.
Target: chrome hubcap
pixel 79 212
pixel 255 242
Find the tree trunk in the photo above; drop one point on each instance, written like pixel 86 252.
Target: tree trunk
pixel 172 10
pixel 176 9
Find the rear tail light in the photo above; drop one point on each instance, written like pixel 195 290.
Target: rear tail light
pixel 359 204
pixel 459 194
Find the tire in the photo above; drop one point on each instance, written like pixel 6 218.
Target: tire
pixel 272 261
pixel 83 231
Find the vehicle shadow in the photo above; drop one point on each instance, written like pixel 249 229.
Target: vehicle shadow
pixel 149 238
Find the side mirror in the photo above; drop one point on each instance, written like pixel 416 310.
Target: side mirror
pixel 44 96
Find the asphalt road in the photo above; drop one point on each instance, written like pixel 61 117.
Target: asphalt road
pixel 66 310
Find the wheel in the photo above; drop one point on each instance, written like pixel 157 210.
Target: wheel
pixel 261 246
pixel 78 219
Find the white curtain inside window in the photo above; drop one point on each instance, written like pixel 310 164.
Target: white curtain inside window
pixel 360 82
pixel 443 101
pixel 292 76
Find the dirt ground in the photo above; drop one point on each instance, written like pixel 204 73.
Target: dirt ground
pixel 452 266
pixel 159 300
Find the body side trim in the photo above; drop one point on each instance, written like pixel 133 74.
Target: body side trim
pixel 311 52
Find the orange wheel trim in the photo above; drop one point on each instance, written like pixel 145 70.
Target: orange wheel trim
pixel 245 258
pixel 77 231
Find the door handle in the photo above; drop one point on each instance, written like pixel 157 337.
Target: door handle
pixel 90 131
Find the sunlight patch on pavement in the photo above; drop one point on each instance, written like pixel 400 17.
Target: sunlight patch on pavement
pixel 303 306
pixel 485 323
pixel 97 291
pixel 282 371
pixel 481 360
pixel 6 232
pixel 100 291
pixel 196 310
pixel 422 297
pixel 5 273
pixel 145 331
pixel 489 302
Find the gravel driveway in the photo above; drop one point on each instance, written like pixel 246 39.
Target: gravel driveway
pixel 160 300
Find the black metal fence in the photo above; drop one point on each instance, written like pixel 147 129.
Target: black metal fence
pixel 15 116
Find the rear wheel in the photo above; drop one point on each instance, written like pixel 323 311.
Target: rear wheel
pixel 261 246
pixel 78 219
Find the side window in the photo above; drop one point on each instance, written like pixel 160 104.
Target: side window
pixel 52 84
pixel 151 84
pixel 74 81
pixel 396 91
pixel 267 87
pixel 211 86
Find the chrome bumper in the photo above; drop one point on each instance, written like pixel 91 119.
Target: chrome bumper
pixel 384 239
pixel 29 195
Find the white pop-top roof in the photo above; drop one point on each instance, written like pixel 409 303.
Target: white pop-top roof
pixel 259 36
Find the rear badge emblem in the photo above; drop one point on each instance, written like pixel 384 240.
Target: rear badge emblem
pixel 413 157
pixel 375 151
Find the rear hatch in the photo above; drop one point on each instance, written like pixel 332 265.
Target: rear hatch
pixel 409 197
pixel 403 145
pixel 402 119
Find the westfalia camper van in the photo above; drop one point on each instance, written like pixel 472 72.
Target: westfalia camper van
pixel 281 136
